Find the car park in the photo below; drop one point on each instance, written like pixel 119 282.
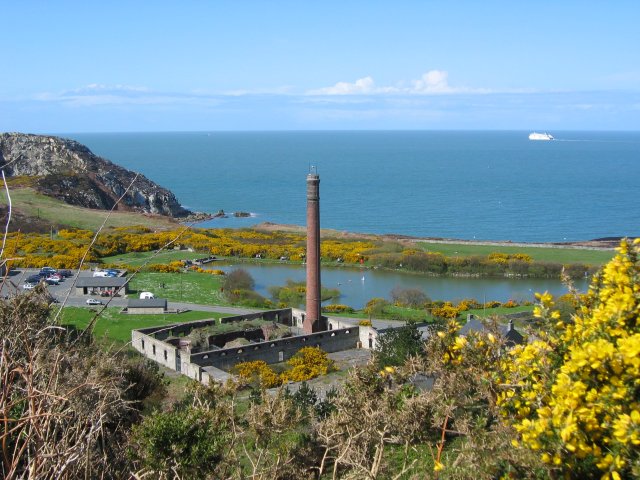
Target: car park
pixel 93 301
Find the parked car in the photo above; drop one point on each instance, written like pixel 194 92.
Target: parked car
pixel 100 273
pixel 66 273
pixel 93 301
pixel 46 271
pixel 33 279
pixel 146 295
pixel 28 286
pixel 52 281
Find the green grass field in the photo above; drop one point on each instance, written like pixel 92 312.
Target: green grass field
pixel 190 287
pixel 115 327
pixel 488 312
pixel 419 315
pixel 541 254
pixel 32 204
pixel 140 258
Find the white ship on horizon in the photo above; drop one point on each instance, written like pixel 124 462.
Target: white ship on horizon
pixel 540 136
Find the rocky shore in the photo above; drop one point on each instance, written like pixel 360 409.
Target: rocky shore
pixel 67 170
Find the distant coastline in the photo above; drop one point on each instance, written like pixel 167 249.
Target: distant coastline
pixel 595 244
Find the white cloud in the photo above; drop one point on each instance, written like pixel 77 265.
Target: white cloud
pixel 96 94
pixel 433 82
pixel 361 86
pixel 99 87
pixel 284 90
pixel 119 94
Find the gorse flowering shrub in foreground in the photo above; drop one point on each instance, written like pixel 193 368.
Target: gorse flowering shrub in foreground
pixel 576 400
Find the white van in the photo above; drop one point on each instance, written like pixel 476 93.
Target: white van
pixel 146 295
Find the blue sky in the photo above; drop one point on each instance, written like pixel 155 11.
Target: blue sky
pixel 255 65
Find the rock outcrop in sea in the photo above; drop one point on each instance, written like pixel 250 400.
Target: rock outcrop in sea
pixel 69 171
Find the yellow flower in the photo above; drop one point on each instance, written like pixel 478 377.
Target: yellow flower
pixel 577 382
pixel 460 343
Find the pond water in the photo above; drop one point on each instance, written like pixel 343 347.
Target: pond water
pixel 357 286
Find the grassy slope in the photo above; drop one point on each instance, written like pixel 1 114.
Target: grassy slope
pixel 116 327
pixel 542 254
pixel 487 312
pixel 30 203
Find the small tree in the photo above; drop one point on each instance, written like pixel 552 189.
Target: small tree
pixel 238 279
pixel 375 307
pixel 190 442
pixel 409 297
pixel 396 345
pixel 305 397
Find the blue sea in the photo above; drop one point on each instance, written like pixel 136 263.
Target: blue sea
pixel 453 184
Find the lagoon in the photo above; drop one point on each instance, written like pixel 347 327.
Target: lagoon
pixel 359 285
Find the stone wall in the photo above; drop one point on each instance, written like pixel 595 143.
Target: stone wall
pixel 368 335
pixel 155 349
pixel 145 310
pixel 283 316
pixel 151 342
pixel 276 350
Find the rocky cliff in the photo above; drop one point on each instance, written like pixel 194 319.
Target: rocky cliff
pixel 69 171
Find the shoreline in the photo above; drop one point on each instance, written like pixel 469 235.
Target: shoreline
pixel 603 244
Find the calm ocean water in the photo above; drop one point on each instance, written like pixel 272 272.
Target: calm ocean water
pixel 483 185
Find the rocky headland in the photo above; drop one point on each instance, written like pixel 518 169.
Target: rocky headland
pixel 69 171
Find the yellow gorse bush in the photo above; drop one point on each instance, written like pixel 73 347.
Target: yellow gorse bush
pixel 577 401
pixel 36 249
pixel 307 363
pixel 259 371
pixel 446 311
pixel 337 308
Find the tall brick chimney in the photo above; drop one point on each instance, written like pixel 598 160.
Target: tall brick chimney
pixel 313 319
